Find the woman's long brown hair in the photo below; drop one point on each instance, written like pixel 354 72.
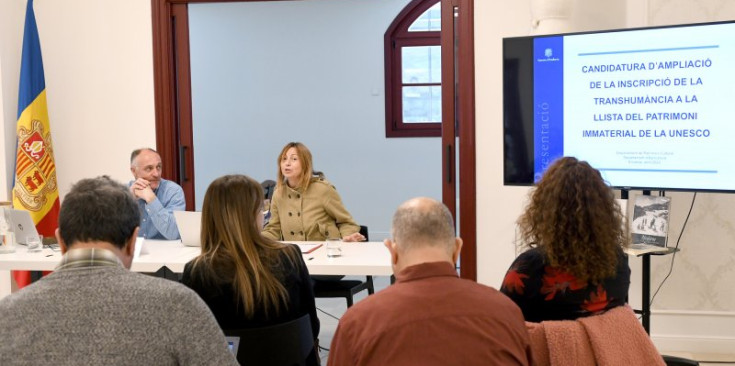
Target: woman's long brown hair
pixel 574 218
pixel 233 250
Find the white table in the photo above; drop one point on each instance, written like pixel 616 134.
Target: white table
pixel 366 258
pixel 160 253
pixel 363 259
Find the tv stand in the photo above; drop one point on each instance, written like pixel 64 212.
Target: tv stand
pixel 646 287
pixel 645 310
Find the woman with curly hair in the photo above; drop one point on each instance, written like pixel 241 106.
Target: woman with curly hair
pixel 573 230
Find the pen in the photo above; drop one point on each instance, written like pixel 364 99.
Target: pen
pixel 310 258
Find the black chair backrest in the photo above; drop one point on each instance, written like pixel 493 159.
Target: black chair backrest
pixel 268 187
pixel 284 344
pixel 364 232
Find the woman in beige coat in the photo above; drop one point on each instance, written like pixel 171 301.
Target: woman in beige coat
pixel 305 206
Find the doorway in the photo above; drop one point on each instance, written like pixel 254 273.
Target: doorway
pixel 172 76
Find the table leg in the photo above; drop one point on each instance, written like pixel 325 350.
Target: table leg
pixel 6 283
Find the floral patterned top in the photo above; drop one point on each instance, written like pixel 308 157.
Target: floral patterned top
pixel 547 293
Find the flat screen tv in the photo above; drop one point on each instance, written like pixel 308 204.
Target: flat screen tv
pixel 651 108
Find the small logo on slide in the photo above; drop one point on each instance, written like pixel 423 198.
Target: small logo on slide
pixel 548 56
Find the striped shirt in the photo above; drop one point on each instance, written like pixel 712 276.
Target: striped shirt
pixel 88 257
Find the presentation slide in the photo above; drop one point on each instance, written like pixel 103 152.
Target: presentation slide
pixel 650 108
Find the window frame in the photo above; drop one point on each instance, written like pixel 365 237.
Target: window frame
pixel 396 37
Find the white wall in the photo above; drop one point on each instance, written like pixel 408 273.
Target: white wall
pixel 497 206
pixel 264 74
pixel 4 176
pixel 99 81
pixel 695 309
pixel 12 14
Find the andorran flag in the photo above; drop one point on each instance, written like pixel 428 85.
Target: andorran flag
pixel 35 187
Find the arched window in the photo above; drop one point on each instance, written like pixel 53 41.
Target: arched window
pixel 413 71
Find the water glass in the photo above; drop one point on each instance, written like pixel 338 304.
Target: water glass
pixel 7 241
pixel 34 243
pixel 334 248
pixel 7 237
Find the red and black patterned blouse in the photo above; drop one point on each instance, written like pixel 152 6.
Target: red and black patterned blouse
pixel 547 293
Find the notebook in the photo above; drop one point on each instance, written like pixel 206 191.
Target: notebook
pixel 190 226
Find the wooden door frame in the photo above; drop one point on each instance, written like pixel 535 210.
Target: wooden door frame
pixel 172 89
pixel 458 121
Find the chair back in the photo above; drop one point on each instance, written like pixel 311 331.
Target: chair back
pixel 364 232
pixel 284 344
pixel 612 338
pixel 268 187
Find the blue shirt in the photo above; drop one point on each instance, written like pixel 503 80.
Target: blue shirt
pixel 157 218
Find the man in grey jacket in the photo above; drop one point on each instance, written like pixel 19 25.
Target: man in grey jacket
pixel 93 311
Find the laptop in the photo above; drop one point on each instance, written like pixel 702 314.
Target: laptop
pixel 22 225
pixel 190 226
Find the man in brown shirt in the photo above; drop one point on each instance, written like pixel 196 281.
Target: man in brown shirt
pixel 430 316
